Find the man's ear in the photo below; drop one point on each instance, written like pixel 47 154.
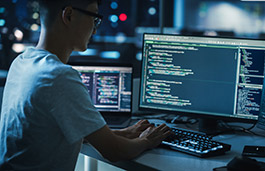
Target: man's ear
pixel 67 15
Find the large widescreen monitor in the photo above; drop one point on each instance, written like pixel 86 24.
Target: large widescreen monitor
pixel 205 77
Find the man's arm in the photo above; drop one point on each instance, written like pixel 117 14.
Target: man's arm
pixel 115 148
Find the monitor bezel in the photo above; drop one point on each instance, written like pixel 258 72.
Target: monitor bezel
pixel 185 113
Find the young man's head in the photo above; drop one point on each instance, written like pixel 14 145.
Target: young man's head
pixel 74 20
pixel 50 8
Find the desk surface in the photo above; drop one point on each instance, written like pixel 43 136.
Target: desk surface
pixel 164 159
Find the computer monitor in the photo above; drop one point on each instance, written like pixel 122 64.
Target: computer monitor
pixel 110 89
pixel 203 77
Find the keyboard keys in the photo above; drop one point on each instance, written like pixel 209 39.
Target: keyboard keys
pixel 195 143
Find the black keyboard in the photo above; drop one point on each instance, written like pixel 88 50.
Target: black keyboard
pixel 194 143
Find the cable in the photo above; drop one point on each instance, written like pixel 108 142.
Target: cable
pixel 251 127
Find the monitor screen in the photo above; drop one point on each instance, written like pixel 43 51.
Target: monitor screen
pixel 110 87
pixel 202 76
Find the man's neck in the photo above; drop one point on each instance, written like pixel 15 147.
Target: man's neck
pixel 55 44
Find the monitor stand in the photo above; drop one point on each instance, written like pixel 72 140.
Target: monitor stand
pixel 212 126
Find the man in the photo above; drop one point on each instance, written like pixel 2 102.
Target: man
pixel 47 112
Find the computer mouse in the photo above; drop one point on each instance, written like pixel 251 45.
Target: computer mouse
pixel 242 163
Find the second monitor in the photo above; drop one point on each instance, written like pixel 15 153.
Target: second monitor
pixel 110 89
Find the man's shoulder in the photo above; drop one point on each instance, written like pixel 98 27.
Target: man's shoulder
pixel 36 65
pixel 44 61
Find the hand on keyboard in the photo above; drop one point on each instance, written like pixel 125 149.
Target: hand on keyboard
pixel 155 135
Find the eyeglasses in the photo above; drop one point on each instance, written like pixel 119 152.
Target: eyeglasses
pixel 97 18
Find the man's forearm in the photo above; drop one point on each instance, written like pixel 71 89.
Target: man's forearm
pixel 116 147
pixel 130 148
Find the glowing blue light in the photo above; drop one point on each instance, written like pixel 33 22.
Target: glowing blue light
pixel 114 5
pixel 88 52
pixel 179 13
pixel 139 56
pixel 110 55
pixel 2 22
pixel 2 9
pixel 152 11
pixel 3 73
pixel 113 18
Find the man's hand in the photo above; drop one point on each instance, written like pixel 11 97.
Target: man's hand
pixel 133 131
pixel 155 135
pixel 145 131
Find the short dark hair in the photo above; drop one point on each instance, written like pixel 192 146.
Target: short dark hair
pixel 50 8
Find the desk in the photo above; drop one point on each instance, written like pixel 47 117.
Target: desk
pixel 164 159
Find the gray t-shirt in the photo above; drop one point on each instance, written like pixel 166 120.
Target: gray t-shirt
pixel 46 112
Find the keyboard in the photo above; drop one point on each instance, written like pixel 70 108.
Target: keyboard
pixel 194 143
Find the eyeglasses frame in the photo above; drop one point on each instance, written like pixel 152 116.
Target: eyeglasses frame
pixel 98 17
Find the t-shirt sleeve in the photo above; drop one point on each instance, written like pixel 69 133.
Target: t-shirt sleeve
pixel 72 108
